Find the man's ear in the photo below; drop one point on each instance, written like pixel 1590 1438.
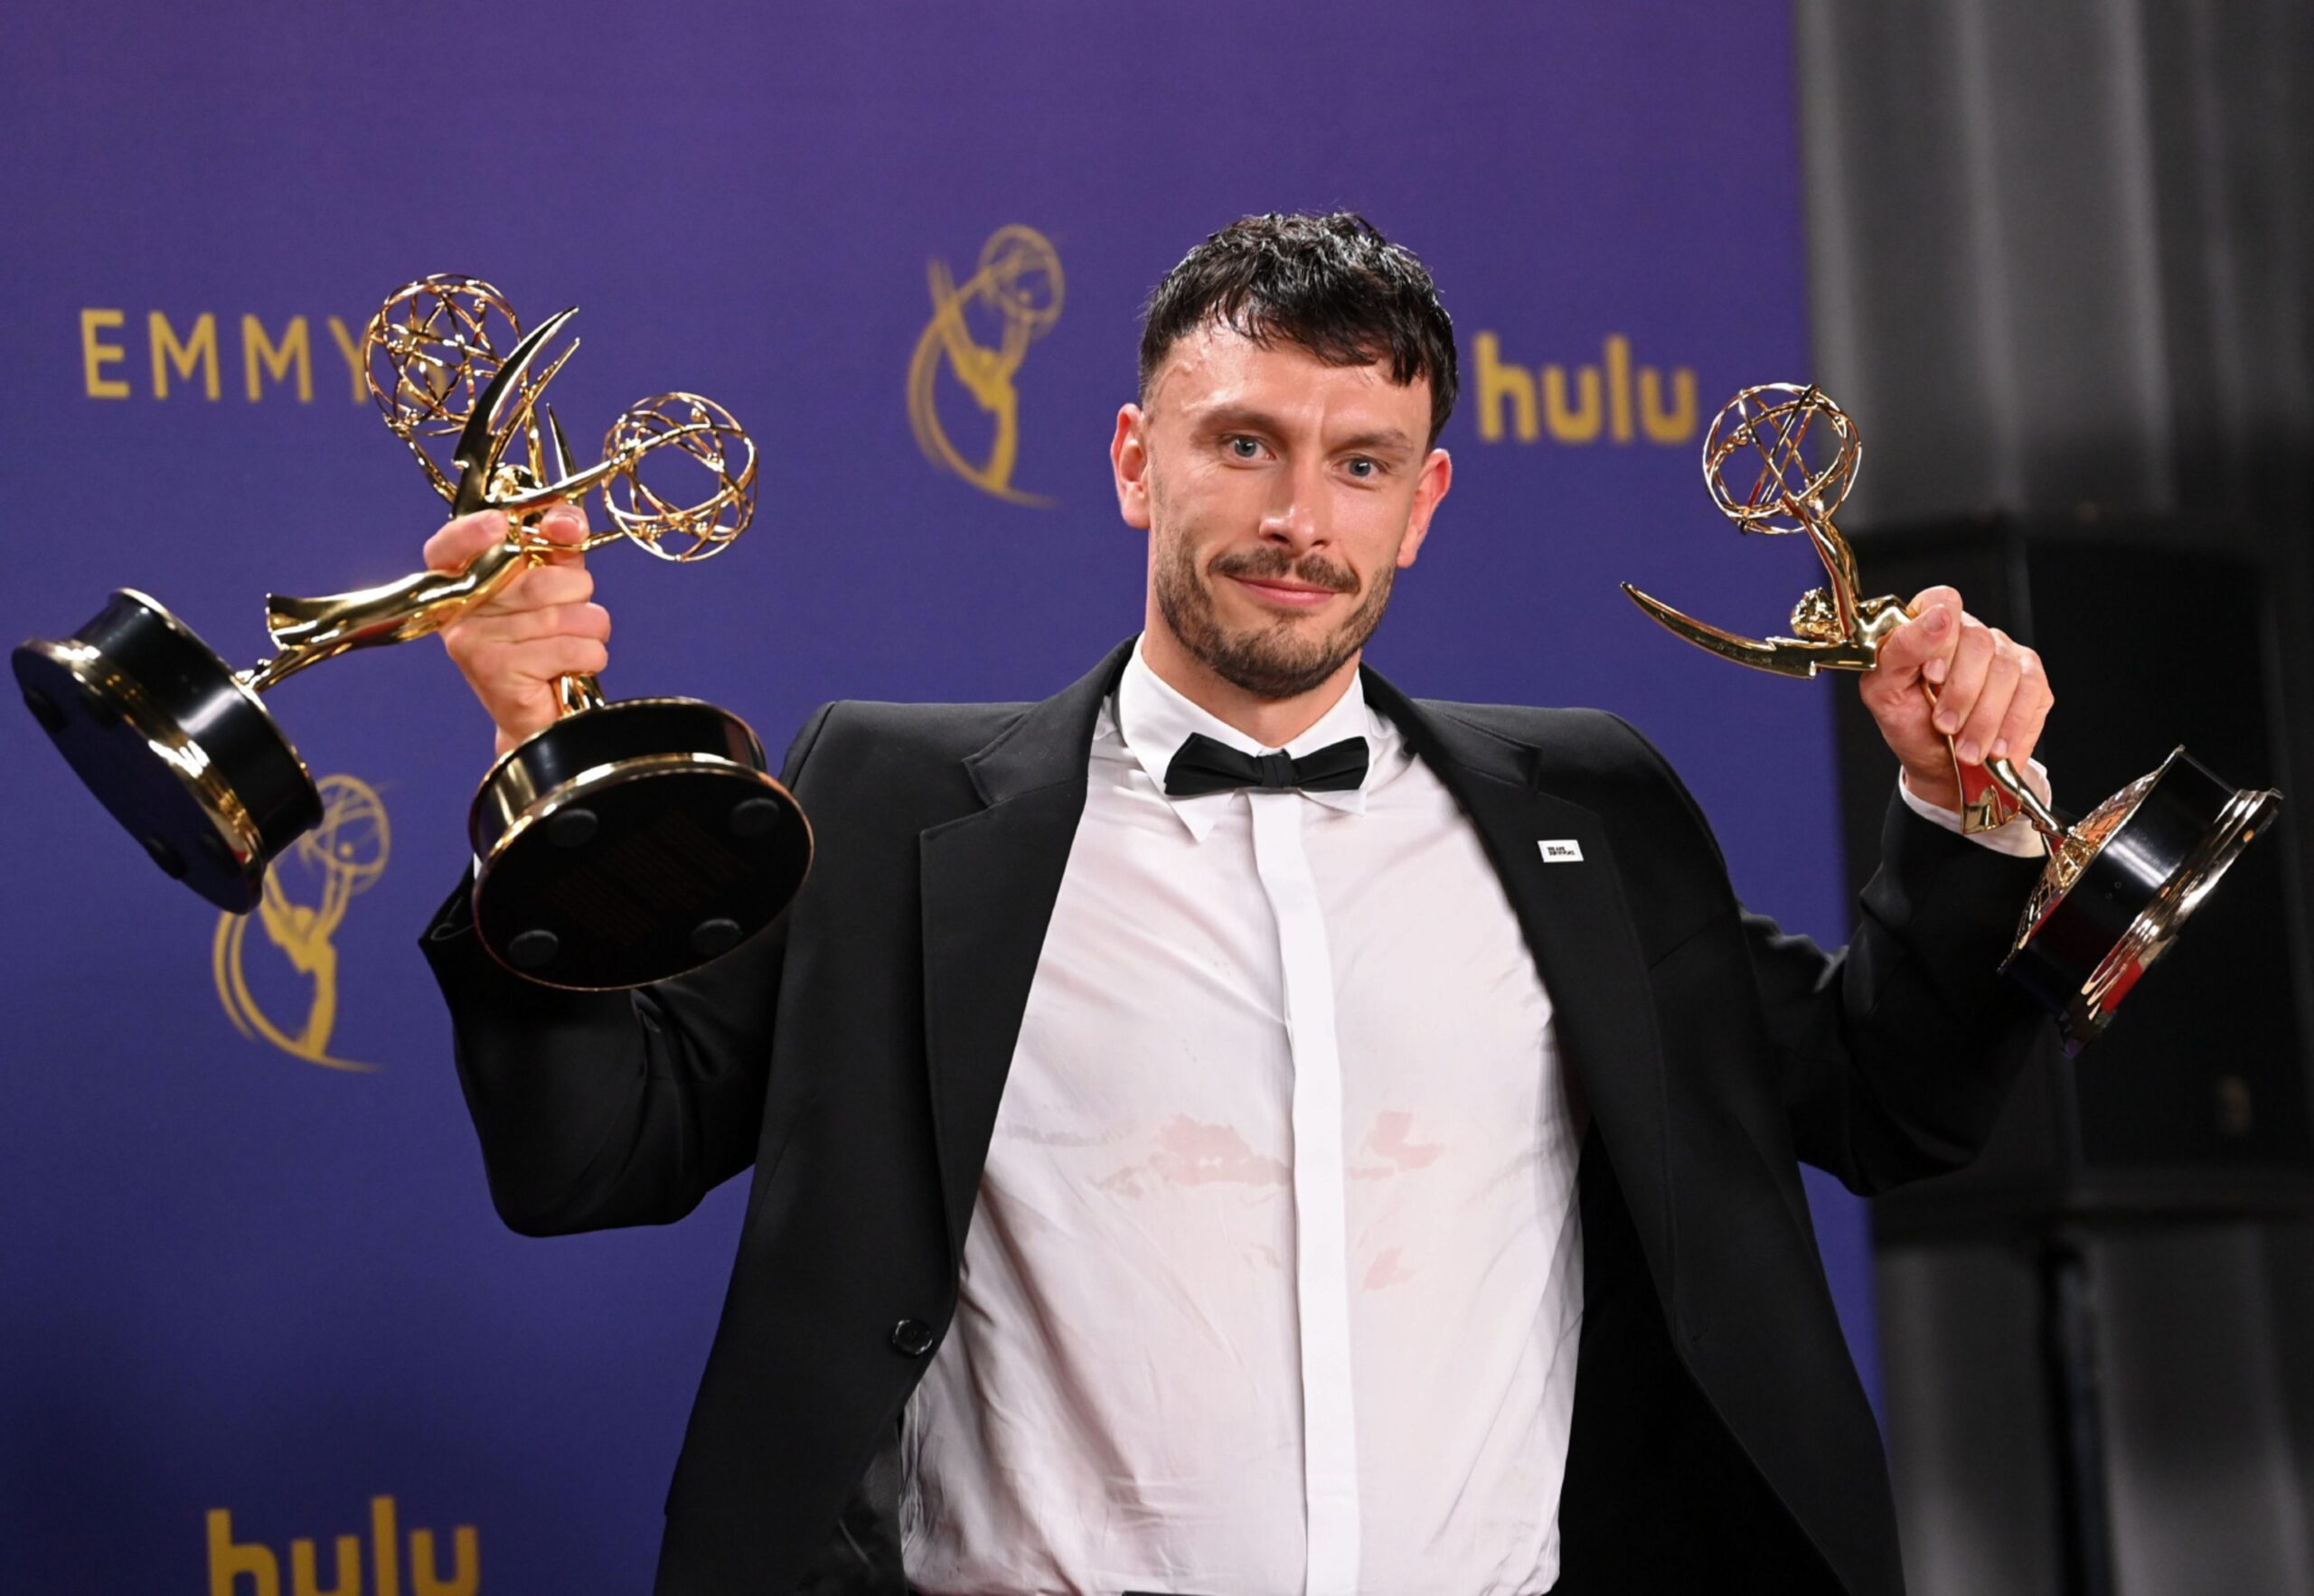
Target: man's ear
pixel 1429 488
pixel 1129 463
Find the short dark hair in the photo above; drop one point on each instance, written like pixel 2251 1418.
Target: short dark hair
pixel 1331 284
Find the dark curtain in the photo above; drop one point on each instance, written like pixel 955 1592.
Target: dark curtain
pixel 2062 258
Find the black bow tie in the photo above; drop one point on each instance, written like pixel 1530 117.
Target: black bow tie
pixel 1203 765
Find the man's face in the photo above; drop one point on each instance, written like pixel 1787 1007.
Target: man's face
pixel 1281 495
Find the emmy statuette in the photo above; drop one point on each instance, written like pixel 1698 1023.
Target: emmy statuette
pixel 628 841
pixel 2120 884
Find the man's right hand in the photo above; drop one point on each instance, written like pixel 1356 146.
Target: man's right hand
pixel 539 628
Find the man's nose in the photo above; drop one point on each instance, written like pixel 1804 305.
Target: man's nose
pixel 1296 515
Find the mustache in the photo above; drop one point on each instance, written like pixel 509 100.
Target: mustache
pixel 1267 564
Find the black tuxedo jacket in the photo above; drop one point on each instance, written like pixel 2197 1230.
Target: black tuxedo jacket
pixel 855 1054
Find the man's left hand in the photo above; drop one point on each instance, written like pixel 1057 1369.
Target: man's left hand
pixel 1992 697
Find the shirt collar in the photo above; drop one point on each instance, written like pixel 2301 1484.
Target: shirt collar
pixel 1154 721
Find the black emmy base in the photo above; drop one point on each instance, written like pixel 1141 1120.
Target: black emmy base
pixel 2122 882
pixel 174 745
pixel 630 842
pixel 626 843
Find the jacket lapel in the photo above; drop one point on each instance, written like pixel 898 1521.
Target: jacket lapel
pixel 989 882
pixel 1579 929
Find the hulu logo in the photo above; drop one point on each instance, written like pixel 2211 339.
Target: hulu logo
pixel 1610 402
pixel 253 1569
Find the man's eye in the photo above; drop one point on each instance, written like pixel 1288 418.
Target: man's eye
pixel 1243 447
pixel 1363 468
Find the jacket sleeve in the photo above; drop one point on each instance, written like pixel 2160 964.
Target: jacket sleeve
pixel 603 1109
pixel 1895 1055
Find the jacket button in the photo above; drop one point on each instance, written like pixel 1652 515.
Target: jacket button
pixel 912 1336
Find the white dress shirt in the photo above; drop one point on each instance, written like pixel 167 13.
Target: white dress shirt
pixel 1273 1285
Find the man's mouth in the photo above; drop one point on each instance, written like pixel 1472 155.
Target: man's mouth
pixel 1285 594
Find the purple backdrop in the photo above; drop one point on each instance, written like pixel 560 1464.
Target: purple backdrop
pixel 241 1279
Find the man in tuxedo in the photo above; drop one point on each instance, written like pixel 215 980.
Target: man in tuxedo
pixel 1233 1129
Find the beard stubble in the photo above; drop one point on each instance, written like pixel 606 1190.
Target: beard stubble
pixel 1274 660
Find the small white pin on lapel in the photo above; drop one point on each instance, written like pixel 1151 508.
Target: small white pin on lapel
pixel 1561 850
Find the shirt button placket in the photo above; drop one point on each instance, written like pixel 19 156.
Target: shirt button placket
pixel 1321 1268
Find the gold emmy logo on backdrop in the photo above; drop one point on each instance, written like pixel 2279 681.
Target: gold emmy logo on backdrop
pixel 305 897
pixel 1014 294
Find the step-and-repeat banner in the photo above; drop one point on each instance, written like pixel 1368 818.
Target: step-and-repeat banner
pixel 260 1329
